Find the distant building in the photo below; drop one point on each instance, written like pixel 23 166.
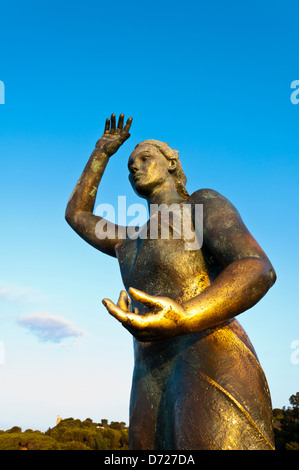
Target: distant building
pixel 58 419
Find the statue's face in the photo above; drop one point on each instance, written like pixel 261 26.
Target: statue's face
pixel 148 169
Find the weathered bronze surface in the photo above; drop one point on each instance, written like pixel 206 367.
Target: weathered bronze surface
pixel 197 381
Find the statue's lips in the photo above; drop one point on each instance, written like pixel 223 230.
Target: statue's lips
pixel 137 176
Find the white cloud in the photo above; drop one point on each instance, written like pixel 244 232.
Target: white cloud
pixel 19 294
pixel 50 328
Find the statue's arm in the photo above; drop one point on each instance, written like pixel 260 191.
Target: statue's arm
pixel 247 272
pixel 79 210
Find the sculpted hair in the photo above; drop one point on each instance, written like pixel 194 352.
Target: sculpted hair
pixel 171 154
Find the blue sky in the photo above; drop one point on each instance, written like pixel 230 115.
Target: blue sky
pixel 211 79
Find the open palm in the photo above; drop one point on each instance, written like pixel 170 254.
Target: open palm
pixel 113 136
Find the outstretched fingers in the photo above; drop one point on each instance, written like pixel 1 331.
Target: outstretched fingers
pixel 122 315
pixel 107 126
pixel 146 299
pixel 110 125
pixel 120 124
pixel 113 124
pixel 128 124
pixel 124 302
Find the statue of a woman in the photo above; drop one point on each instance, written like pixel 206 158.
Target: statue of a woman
pixel 197 381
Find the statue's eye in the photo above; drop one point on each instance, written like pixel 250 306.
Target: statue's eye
pixel 144 157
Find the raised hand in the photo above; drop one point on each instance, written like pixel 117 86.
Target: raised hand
pixel 165 319
pixel 113 136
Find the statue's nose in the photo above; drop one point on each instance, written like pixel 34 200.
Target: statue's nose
pixel 133 168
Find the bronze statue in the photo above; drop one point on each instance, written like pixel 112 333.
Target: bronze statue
pixel 197 381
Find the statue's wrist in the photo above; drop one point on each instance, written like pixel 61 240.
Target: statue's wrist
pixel 99 152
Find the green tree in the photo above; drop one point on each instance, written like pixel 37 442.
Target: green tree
pixel 292 446
pixel 286 425
pixel 68 434
pixel 32 440
pixel 74 445
pixel 14 429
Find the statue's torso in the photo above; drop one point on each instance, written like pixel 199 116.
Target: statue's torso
pixel 165 266
pixel 174 376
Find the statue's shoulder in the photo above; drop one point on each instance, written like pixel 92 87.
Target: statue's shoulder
pixel 214 203
pixel 204 195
